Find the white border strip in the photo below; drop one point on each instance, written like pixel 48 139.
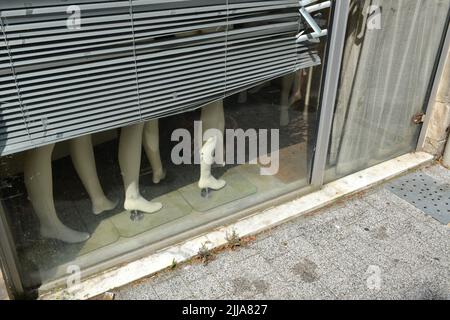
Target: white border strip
pixel 251 225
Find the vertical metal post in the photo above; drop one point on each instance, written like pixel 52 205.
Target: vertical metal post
pixel 435 87
pixel 8 258
pixel 330 87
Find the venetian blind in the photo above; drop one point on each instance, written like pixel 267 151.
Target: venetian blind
pixel 123 62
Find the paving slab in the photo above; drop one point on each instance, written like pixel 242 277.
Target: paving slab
pixel 375 245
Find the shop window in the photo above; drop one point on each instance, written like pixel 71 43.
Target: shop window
pixel 85 203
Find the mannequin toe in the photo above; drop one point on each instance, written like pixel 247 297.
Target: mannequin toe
pixel 104 205
pixel 63 233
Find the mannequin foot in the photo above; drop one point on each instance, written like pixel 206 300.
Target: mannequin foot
pixel 159 175
pixel 104 205
pixel 211 183
pixel 63 233
pixel 142 205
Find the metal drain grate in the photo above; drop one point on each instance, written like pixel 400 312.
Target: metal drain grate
pixel 425 193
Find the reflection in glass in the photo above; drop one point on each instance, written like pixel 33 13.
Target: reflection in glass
pixel 278 104
pixel 388 63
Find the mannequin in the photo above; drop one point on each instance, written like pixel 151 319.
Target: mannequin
pixel 82 153
pixel 151 146
pixel 130 151
pixel 212 117
pixel 286 88
pixel 207 182
pixel 39 184
pixel 293 80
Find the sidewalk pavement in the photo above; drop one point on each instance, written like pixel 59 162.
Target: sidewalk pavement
pixel 371 246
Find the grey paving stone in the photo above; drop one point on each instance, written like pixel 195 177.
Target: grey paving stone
pixel 380 232
pixel 391 205
pixel 172 289
pixel 405 260
pixel 438 228
pixel 356 243
pixel 270 286
pixel 330 255
pixel 438 243
pixel 304 274
pixel 193 272
pixel 415 247
pixel 300 246
pixel 438 172
pixel 242 252
pixel 207 287
pixel 301 290
pixel 270 247
pixel 320 234
pixel 425 293
pixel 144 291
pixel 348 262
pixel 252 267
pixel 383 199
pixel 428 284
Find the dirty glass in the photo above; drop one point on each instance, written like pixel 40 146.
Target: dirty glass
pixel 69 208
pixel 389 60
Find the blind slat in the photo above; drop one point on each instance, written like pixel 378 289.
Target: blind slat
pixel 131 61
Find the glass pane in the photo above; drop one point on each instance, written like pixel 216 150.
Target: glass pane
pixel 389 59
pixel 66 202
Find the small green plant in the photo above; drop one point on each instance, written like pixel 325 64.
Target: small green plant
pixel 205 254
pixel 174 264
pixel 233 240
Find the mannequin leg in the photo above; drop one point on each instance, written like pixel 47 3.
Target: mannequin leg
pixel 213 117
pixel 82 153
pixel 207 181
pixel 39 184
pixel 297 94
pixel 151 146
pixel 242 97
pixel 308 94
pixel 285 94
pixel 130 150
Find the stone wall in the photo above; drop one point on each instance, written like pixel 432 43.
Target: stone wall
pixel 438 129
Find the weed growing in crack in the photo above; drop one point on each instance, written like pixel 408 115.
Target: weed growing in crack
pixel 233 240
pixel 205 254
